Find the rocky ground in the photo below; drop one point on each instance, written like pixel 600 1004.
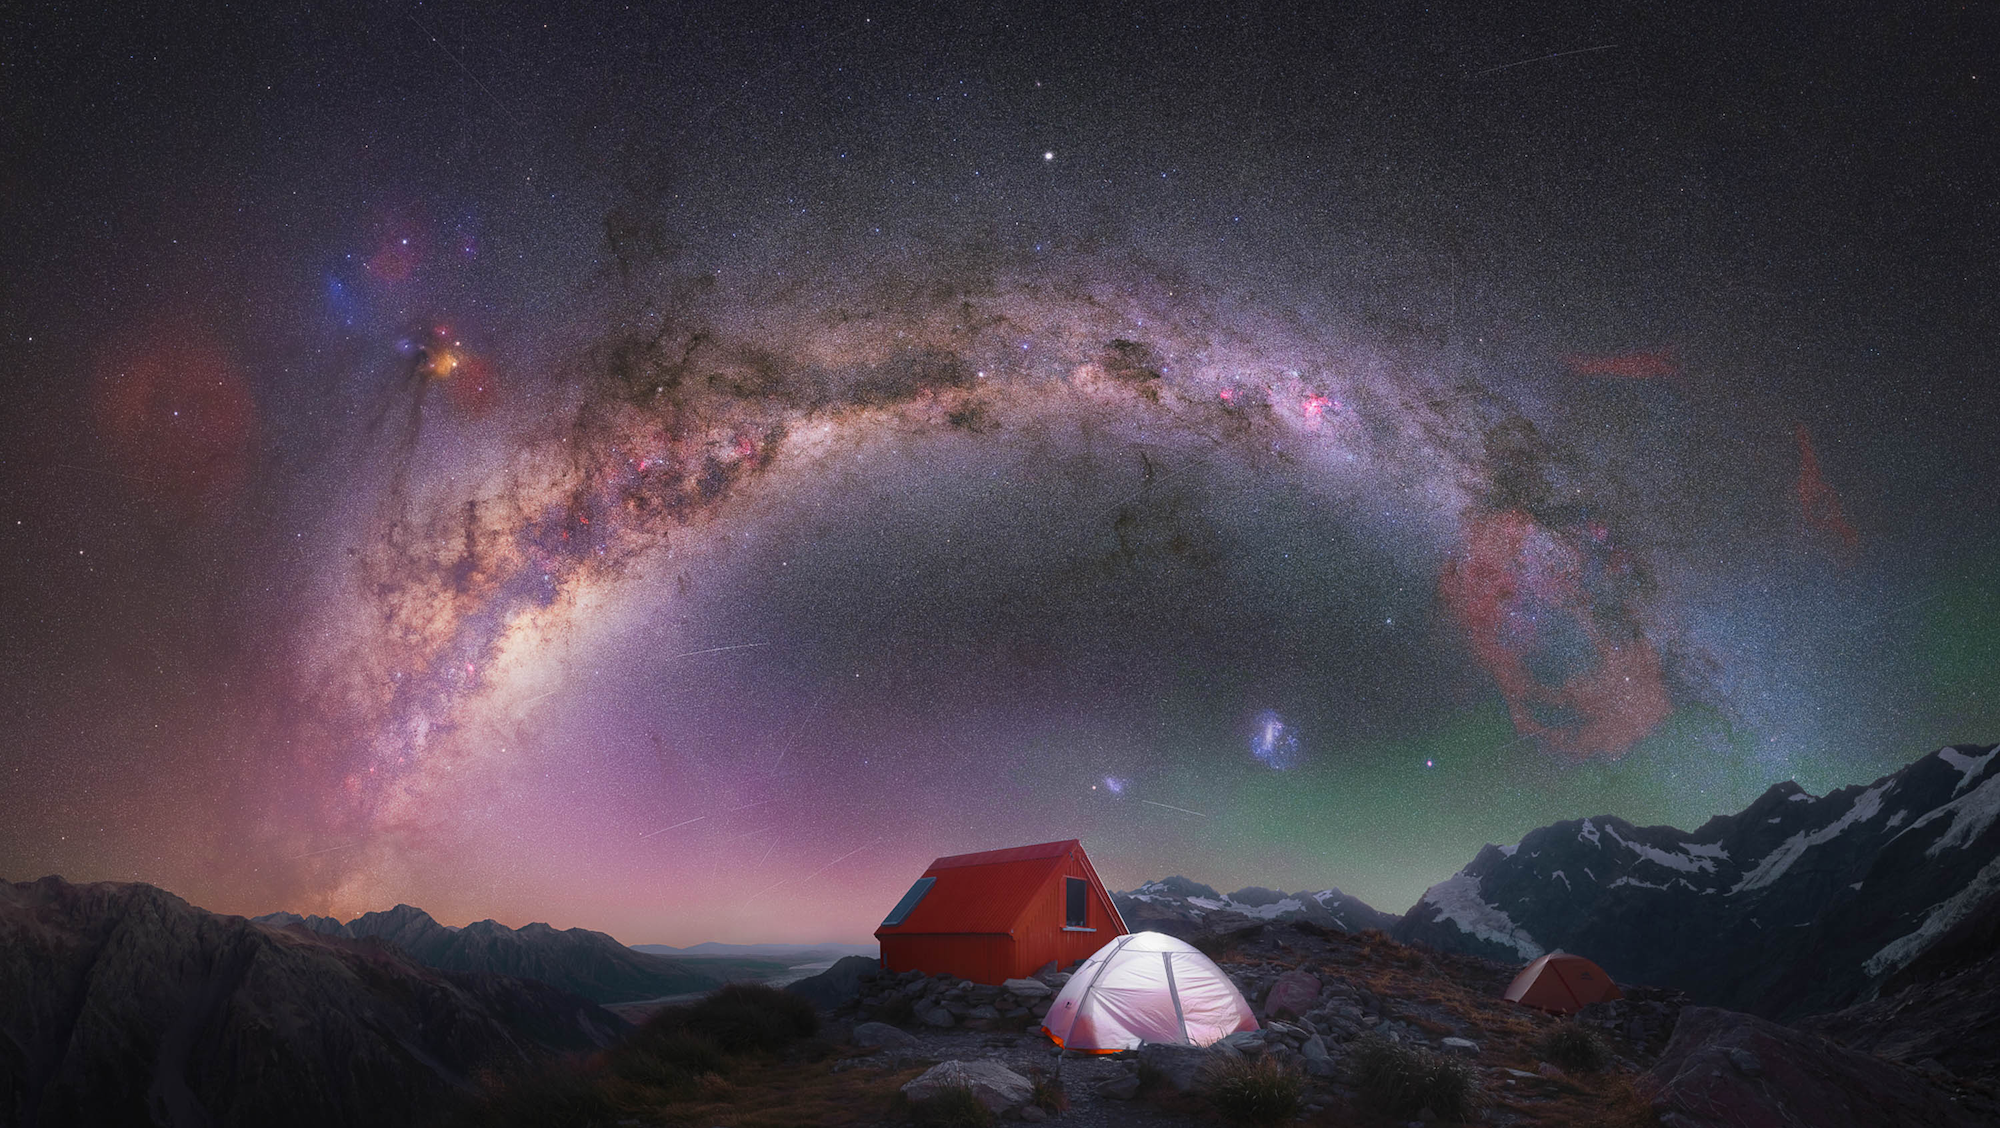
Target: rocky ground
pixel 1318 992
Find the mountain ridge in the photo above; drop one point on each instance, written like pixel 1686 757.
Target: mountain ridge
pixel 1797 904
pixel 587 963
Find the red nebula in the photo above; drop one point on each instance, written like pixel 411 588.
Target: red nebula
pixel 1651 365
pixel 1514 581
pixel 473 387
pixel 1817 500
pixel 176 416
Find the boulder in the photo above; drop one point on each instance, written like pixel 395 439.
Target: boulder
pixel 882 1034
pixel 1291 995
pixel 1246 1042
pixel 1463 1047
pixel 937 1016
pixel 1028 990
pixel 1185 1067
pixel 998 1088
pixel 1726 1068
pixel 1123 1087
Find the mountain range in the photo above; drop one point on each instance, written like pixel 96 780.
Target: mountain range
pixel 590 964
pixel 123 1004
pixel 1797 905
pixel 1184 908
pixel 710 949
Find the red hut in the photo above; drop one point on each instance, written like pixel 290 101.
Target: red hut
pixel 1001 914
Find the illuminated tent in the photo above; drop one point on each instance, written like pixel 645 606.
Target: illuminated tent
pixel 1563 984
pixel 1146 987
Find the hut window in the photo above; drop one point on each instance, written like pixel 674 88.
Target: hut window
pixel 909 901
pixel 1076 902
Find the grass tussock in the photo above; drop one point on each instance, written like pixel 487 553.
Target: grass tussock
pixel 1256 1091
pixel 557 1094
pixel 955 1106
pixel 1403 1080
pixel 1049 1094
pixel 1576 1048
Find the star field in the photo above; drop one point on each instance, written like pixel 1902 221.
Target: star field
pixel 678 471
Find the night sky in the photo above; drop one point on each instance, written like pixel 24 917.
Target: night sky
pixel 677 469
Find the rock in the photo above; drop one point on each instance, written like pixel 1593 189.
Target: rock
pixel 1701 1080
pixel 997 1087
pixel 1028 990
pixel 882 1034
pixel 984 1011
pixel 1291 995
pixel 1033 1114
pixel 1186 1067
pixel 1121 1088
pixel 1055 979
pixel 1314 1049
pixel 1246 1042
pixel 1463 1047
pixel 1544 1069
pixel 838 984
pixel 1041 1009
pixel 937 1016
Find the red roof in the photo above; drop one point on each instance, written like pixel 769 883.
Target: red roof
pixel 983 892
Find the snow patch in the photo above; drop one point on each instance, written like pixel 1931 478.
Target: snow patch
pixel 1801 797
pixel 1588 874
pixel 1942 916
pixel 1566 884
pixel 1205 903
pixel 1271 911
pixel 1706 850
pixel 1969 767
pixel 1508 851
pixel 1635 881
pixel 1856 885
pixel 1665 858
pixel 1775 818
pixel 1774 865
pixel 1457 900
pixel 1970 813
pixel 1896 819
pixel 1589 834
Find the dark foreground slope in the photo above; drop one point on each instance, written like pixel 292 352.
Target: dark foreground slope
pixel 123 1004
pixel 591 964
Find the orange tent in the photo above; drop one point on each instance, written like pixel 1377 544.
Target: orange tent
pixel 1563 984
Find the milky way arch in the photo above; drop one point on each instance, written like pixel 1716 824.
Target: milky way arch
pixel 456 580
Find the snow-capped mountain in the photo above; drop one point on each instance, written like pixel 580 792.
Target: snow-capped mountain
pixel 1181 907
pixel 1796 905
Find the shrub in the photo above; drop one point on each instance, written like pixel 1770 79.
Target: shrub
pixel 1259 1091
pixel 742 1017
pixel 670 1058
pixel 898 1010
pixel 1402 1080
pixel 955 1106
pixel 1049 1093
pixel 1576 1047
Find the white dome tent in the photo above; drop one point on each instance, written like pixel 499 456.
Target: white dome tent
pixel 1146 987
